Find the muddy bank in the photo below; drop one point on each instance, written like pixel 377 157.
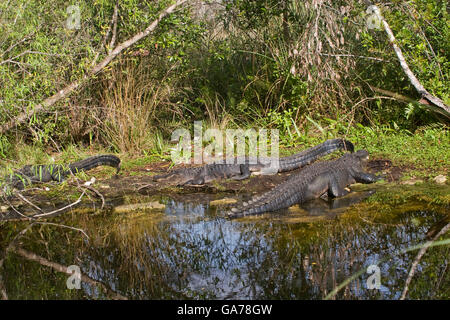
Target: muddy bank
pixel 256 183
pixel 137 186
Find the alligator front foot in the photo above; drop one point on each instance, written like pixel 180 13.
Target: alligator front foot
pixel 363 177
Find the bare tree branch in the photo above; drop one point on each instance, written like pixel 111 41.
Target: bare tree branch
pixel 46 214
pixel 18 43
pixel 61 268
pixel 23 117
pixel 114 27
pixel 18 194
pixel 352 56
pixel 419 256
pixel 427 98
pixel 10 246
pixel 395 95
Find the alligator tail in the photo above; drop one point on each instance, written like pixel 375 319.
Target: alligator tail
pixel 312 154
pixel 280 197
pixel 95 161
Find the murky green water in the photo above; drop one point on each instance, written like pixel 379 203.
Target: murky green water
pixel 188 250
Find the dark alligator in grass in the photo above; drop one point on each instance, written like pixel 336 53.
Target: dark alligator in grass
pixel 330 177
pixel 242 168
pixel 30 174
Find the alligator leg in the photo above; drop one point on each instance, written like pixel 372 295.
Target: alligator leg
pixel 199 179
pixel 337 186
pixel 337 191
pixel 364 177
pixel 58 173
pixel 245 173
pixel 19 181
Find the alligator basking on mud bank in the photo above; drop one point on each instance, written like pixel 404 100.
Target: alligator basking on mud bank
pixel 330 177
pixel 242 168
pixel 30 174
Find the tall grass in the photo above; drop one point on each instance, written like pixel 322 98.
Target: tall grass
pixel 135 104
pixel 299 66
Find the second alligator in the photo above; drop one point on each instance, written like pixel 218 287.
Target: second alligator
pixel 330 177
pixel 242 168
pixel 30 174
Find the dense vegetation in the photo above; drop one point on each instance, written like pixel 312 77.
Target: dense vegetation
pixel 308 68
pixel 313 69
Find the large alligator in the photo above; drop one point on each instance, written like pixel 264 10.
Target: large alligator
pixel 30 174
pixel 242 168
pixel 330 177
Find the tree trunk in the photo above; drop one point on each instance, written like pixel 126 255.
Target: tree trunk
pixel 433 103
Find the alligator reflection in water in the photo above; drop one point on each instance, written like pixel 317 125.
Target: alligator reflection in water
pixel 190 251
pixel 332 207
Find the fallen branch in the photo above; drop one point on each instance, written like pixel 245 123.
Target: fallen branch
pixel 64 269
pixel 46 214
pixel 98 194
pixel 19 195
pixel 395 95
pixel 9 247
pixel 23 117
pixel 20 214
pixel 426 98
pixel 419 256
pixel 347 281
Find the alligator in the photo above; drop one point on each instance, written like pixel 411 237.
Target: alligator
pixel 331 177
pixel 243 167
pixel 30 174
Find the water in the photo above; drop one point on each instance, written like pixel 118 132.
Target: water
pixel 188 250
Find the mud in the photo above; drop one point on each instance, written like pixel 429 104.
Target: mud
pixel 138 184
